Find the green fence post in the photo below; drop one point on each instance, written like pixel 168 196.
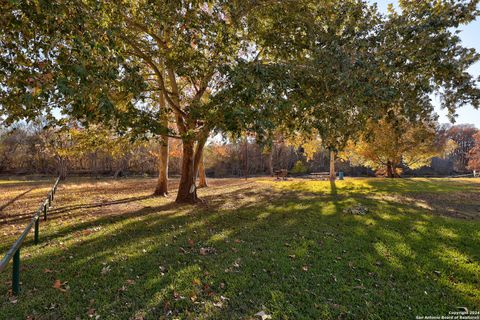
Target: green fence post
pixel 44 212
pixel 52 192
pixel 16 273
pixel 50 199
pixel 36 230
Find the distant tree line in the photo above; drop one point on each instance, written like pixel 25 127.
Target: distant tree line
pixel 34 149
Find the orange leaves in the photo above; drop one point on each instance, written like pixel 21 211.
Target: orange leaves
pixel 61 286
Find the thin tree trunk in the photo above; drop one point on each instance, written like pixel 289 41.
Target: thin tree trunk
pixel 162 182
pixel 62 168
pixel 95 169
pixel 270 162
pixel 202 178
pixel 246 159
pixel 332 165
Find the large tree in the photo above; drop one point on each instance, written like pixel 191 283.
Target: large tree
pixel 231 66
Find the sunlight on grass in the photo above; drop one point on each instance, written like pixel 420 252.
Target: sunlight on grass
pixel 287 246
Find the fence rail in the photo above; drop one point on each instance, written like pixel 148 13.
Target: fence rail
pixel 14 251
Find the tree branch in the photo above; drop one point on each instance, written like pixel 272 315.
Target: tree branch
pixel 157 71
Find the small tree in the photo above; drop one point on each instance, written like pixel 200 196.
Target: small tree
pixel 387 145
pixel 299 168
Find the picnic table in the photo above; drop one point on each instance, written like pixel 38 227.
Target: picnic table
pixel 321 175
pixel 281 174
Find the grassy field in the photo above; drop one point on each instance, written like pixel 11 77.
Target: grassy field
pixel 290 249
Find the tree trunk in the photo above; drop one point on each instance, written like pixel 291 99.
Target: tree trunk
pixel 202 178
pixel 270 162
pixel 117 173
pixel 162 182
pixel 245 161
pixel 332 165
pixel 187 190
pixel 62 168
pixel 95 168
pixel 390 170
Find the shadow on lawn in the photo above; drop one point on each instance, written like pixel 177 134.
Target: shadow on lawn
pixel 296 254
pixel 3 206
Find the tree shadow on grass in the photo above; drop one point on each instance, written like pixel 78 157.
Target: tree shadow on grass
pixel 55 213
pixel 3 206
pixel 290 253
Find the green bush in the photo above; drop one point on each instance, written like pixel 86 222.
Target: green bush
pixel 299 167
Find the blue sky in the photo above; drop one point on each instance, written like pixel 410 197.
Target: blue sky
pixel 471 38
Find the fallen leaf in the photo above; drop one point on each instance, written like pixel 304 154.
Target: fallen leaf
pixel 59 285
pixel 91 312
pixel 206 250
pixel 262 315
pixel 105 270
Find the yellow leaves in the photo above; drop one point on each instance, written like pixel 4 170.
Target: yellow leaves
pixel 310 143
pixel 399 142
pixel 36 91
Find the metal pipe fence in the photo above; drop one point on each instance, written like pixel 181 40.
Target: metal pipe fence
pixel 14 252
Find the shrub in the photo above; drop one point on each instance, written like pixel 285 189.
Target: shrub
pixel 299 167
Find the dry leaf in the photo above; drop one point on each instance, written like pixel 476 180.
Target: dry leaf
pixel 262 315
pixel 105 270
pixel 206 250
pixel 91 312
pixel 59 285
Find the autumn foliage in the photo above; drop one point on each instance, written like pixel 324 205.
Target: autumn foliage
pixel 386 146
pixel 474 155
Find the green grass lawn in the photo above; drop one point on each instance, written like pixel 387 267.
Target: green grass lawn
pixel 112 251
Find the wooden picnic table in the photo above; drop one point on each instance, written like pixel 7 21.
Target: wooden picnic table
pixel 321 175
pixel 281 174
